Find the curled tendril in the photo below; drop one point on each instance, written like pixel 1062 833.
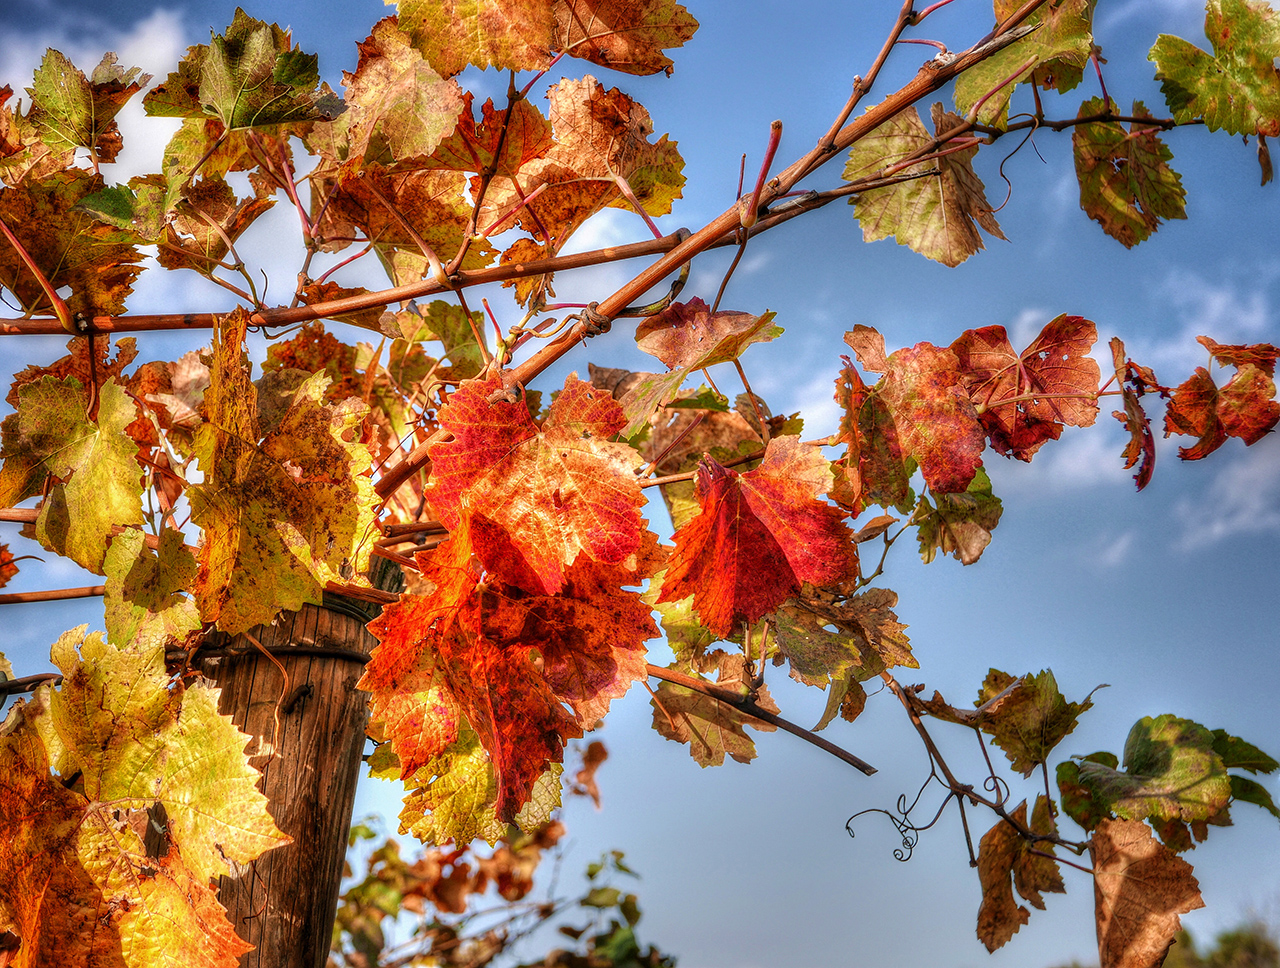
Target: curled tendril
pixel 900 817
pixel 997 786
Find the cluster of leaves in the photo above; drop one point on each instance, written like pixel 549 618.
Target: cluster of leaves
pixel 530 606
pixel 443 887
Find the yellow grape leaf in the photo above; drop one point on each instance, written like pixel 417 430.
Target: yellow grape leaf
pixel 281 516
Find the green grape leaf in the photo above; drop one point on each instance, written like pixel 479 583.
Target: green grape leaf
pixel 961 524
pixel 1238 755
pixel 1031 719
pixel 1053 57
pixel 74 111
pixel 712 728
pixel 1236 88
pixel 1126 184
pixel 937 214
pixel 249 77
pixel 1171 771
pixel 1080 800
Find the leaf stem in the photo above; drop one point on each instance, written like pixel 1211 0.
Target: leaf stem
pixel 744 705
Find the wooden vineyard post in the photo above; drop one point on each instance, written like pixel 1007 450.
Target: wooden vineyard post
pixel 306 720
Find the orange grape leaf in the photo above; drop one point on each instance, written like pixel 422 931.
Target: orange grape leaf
pixel 710 727
pixel 207 220
pixel 623 35
pixel 506 34
pixel 1133 383
pixel 282 516
pixel 937 215
pixel 1244 408
pixel 554 491
pixel 1140 888
pixel 489 658
pixel 1126 184
pixel 935 420
pixel 76 364
pixel 398 107
pixel 874 469
pixel 98 262
pixel 1051 384
pixel 384 206
pixel 758 536
pixel 74 111
pixel 502 143
pixel 600 135
pixel 1005 862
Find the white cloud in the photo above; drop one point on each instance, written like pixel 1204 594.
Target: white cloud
pixel 1242 499
pixel 1239 309
pixel 155 44
pixel 1082 458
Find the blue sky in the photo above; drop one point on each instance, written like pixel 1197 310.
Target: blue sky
pixel 1170 595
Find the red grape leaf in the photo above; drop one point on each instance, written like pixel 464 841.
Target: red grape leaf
pixel 758 536
pixel 623 35
pixel 554 491
pixel 1261 355
pixel 600 135
pixel 76 364
pixel 1141 449
pixel 1055 371
pixel 1140 888
pixel 7 567
pixel 689 336
pixel 1244 408
pixel 1005 862
pixel 1126 184
pixel 935 421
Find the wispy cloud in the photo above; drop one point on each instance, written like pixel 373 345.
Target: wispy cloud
pixel 1242 499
